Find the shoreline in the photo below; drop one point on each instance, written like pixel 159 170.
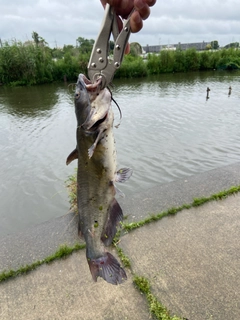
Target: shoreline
pixel 40 241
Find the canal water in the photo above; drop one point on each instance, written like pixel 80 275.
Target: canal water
pixel 169 131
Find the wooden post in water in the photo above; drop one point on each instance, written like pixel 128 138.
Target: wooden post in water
pixel 229 91
pixel 207 97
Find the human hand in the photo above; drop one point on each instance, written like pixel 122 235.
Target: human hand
pixel 124 7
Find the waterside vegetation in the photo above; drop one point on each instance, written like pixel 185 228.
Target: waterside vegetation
pixel 34 62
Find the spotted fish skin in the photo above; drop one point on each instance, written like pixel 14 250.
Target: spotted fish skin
pixel 99 211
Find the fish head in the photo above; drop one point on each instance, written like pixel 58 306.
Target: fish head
pixel 92 105
pixel 100 115
pixel 82 100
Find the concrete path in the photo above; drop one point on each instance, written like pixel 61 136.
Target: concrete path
pixel 192 260
pixel 65 290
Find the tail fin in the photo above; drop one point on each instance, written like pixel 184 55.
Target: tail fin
pixel 108 268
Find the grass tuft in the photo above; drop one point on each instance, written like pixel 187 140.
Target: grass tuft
pixel 62 252
pixel 124 259
pixel 155 307
pixel 127 227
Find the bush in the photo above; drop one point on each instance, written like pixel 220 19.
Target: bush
pixel 27 64
pixel 132 67
pixel 166 61
pixel 153 64
pixel 179 61
pixel 192 58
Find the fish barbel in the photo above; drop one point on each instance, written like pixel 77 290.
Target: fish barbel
pixel 99 211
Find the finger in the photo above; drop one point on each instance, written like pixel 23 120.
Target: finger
pixel 142 8
pixel 120 24
pixel 127 49
pixel 122 7
pixel 136 23
pixel 150 3
pixel 116 3
pixel 103 3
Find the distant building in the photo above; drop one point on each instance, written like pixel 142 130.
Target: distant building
pixel 183 46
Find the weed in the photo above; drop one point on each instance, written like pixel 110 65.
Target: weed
pixel 62 252
pixel 125 260
pixel 155 307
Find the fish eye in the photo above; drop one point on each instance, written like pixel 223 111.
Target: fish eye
pixel 77 95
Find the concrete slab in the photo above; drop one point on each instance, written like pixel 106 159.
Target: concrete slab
pixel 192 260
pixel 65 290
pixel 179 192
pixel 44 239
pixel 38 242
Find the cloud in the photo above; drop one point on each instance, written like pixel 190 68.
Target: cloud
pixel 171 21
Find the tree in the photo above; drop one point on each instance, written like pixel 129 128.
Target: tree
pixel 57 53
pixel 84 45
pixel 232 45
pixel 214 44
pixel 35 37
pixel 38 40
pixel 111 45
pixel 135 49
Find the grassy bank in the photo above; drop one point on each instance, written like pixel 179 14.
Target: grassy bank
pixel 33 63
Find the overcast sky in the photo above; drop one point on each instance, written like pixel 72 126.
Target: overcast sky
pixel 171 21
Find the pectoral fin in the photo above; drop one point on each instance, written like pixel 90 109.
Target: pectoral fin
pixel 93 147
pixel 72 156
pixel 123 174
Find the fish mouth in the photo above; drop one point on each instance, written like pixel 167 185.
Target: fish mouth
pixel 92 87
pixel 99 110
